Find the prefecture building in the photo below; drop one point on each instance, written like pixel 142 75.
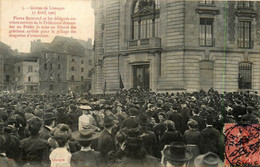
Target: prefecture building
pixel 170 45
pixel 64 64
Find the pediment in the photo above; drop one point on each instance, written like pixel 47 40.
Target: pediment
pixel 147 10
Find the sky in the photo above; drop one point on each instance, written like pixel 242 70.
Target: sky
pixel 80 9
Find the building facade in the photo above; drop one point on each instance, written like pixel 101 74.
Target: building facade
pixel 7 60
pixel 170 45
pixel 26 73
pixel 64 64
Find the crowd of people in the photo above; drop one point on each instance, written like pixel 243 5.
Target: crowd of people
pixel 130 128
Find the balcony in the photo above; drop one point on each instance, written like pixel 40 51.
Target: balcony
pixel 144 43
pixel 207 42
pixel 207 3
pixel 246 5
pixel 245 44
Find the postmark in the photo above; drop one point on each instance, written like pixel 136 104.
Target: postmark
pixel 242 144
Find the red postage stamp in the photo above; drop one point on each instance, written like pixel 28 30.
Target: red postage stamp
pixel 242 144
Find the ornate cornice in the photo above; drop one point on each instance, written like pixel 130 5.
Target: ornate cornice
pixel 246 13
pixel 211 11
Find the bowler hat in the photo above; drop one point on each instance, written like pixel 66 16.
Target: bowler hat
pixel 177 152
pixel 109 121
pixel 209 159
pixel 49 116
pixel 163 114
pixel 85 135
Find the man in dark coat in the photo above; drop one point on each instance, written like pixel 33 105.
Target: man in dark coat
pixel 86 156
pixel 210 138
pixel 200 121
pixel 34 150
pixel 49 123
pixel 135 154
pixel 185 114
pixel 174 116
pixel 106 141
pixel 5 161
pixel 73 117
pixel 130 122
pixel 149 138
pixel 249 117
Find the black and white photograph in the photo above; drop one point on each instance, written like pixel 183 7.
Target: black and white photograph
pixel 129 83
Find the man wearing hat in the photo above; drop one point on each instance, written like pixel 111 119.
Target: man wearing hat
pixel 86 156
pixel 185 114
pixel 86 119
pixel 34 150
pixel 130 122
pixel 176 117
pixel 49 121
pixel 106 142
pixel 175 155
pixel 149 137
pixel 210 138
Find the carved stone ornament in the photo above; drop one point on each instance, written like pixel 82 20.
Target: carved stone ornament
pixel 145 3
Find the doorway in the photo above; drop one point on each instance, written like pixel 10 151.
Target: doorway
pixel 141 76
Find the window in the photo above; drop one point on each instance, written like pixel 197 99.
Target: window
pixel 73 60
pixel 89 74
pixel 245 75
pixel 59 66
pixel 245 4
pixel 244 35
pixel 206 32
pixel 145 19
pixel 50 66
pixel 207 2
pixel 51 87
pixel 82 78
pixel 45 66
pixel 72 77
pixel 58 77
pixel 19 69
pixel 30 69
pixel 29 79
pixel 82 61
pixel 7 78
pixel 5 67
pixel 82 69
pixel 72 68
pixel 90 62
pixel 58 57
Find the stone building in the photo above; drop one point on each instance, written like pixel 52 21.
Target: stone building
pixel 7 59
pixel 26 73
pixel 64 64
pixel 174 45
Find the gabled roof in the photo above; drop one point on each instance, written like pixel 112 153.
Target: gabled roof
pixel 6 49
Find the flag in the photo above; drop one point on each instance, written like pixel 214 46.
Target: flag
pixel 121 82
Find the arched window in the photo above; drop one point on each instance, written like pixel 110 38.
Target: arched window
pixel 145 19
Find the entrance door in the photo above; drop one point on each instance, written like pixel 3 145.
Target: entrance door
pixel 206 75
pixel 141 76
